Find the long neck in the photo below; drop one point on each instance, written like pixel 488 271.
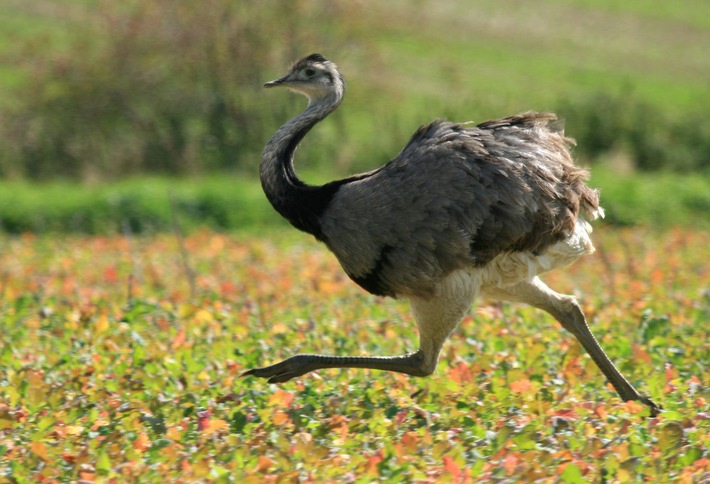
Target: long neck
pixel 300 203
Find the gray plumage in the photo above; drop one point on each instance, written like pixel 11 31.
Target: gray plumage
pixel 469 194
pixel 463 211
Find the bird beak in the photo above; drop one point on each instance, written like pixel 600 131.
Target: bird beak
pixel 276 82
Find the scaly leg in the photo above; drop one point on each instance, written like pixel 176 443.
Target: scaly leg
pixel 436 319
pixel 566 310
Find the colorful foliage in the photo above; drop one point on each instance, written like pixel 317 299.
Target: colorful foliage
pixel 120 361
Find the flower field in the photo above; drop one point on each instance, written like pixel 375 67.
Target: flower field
pixel 120 361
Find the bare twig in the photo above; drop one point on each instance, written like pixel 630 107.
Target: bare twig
pixel 184 257
pixel 135 262
pixel 608 269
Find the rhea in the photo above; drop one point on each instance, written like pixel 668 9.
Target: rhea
pixel 463 211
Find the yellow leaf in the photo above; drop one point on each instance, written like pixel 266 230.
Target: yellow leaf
pixel 279 328
pixel 73 429
pixel 281 398
pixel 202 467
pixel 263 463
pixel 280 417
pixel 174 433
pixel 186 310
pixel 38 388
pixel 623 475
pixel 5 418
pixel 101 325
pixel 633 407
pixel 203 316
pixel 39 449
pixel 216 425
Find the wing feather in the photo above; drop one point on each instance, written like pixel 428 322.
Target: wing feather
pixel 457 195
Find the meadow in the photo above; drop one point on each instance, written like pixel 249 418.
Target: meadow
pixel 142 271
pixel 121 360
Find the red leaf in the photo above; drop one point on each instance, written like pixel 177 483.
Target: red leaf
pixel 601 412
pixel 179 339
pixel 69 458
pixel 111 274
pixel 203 419
pixel 142 442
pixel 372 461
pixel 566 413
pixel 263 463
pixel 460 373
pixel 510 463
pixel 87 476
pixel 452 467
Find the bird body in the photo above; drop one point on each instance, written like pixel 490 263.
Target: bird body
pixel 470 195
pixel 463 211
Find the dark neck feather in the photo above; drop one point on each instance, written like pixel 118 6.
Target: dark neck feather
pixel 299 203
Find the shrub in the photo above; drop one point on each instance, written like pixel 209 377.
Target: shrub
pixel 604 123
pixel 159 86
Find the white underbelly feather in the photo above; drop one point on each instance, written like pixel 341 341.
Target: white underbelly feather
pixel 511 268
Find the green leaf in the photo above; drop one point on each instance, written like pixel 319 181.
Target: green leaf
pixel 573 475
pixel 238 421
pixel 103 463
pixel 653 326
pixel 690 456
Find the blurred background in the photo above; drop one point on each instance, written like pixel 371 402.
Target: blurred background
pixel 118 115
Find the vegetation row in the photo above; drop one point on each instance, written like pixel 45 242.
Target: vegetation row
pixel 233 203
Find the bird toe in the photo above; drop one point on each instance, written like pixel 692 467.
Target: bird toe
pixel 278 373
pixel 653 406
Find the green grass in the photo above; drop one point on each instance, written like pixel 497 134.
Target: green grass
pixel 237 203
pixel 145 205
pixel 695 13
pixel 654 199
pixel 531 55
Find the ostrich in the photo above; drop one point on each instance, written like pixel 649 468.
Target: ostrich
pixel 462 212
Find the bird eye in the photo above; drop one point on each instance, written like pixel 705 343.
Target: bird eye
pixel 310 72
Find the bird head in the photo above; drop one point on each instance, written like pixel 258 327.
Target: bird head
pixel 313 76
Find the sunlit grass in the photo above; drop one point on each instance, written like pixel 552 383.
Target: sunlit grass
pixel 236 203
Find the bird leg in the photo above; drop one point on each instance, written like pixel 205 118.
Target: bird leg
pixel 566 310
pixel 411 364
pixel 436 319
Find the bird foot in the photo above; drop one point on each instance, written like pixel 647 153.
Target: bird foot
pixel 653 406
pixel 284 370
